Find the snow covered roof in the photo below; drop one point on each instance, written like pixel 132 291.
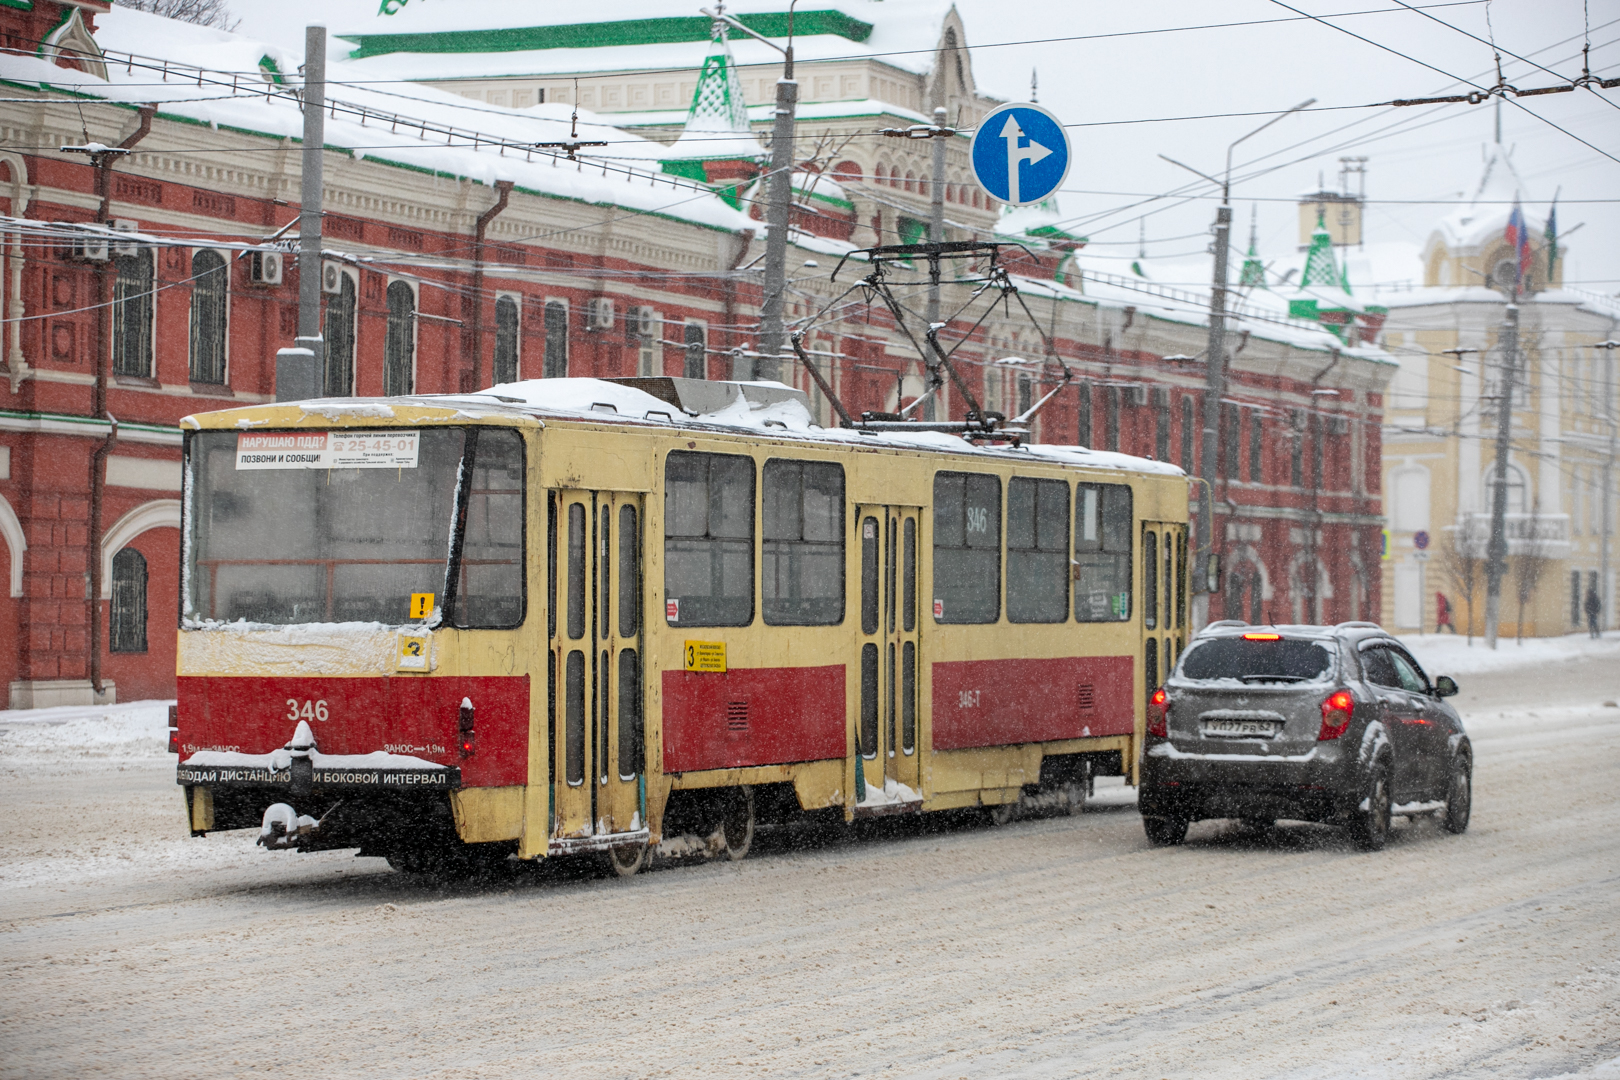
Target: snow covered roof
pixel 235 82
pixel 417 39
pixel 777 412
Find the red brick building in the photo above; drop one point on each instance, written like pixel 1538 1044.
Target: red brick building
pixel 156 283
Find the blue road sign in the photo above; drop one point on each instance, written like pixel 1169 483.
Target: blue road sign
pixel 1020 154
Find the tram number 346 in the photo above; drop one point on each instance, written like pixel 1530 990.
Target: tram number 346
pixel 967 699
pixel 307 710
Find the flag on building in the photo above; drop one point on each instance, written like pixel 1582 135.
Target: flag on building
pixel 1552 239
pixel 1518 237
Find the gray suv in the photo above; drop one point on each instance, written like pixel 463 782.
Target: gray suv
pixel 1315 723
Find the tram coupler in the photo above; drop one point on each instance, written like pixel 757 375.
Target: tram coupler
pixel 284 828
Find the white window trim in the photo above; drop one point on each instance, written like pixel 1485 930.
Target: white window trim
pixel 230 268
pixel 516 298
pixel 416 344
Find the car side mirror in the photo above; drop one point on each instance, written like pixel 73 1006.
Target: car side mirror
pixel 1445 686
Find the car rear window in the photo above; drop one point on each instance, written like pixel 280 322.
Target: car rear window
pixel 1254 661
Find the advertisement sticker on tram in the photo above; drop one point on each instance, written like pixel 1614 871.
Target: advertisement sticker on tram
pixel 327 450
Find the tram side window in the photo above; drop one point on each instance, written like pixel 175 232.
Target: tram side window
pixel 803 522
pixel 708 539
pixel 1102 553
pixel 967 548
pixel 489 587
pixel 1037 550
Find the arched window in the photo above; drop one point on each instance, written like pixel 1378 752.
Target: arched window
pixel 126 632
pixel 210 291
pixel 399 349
pixel 506 339
pixel 556 340
pixel 696 366
pixel 1516 501
pixel 911 180
pixel 848 170
pixel 339 334
pixel 132 314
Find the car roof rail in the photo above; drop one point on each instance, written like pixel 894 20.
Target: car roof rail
pixel 1358 623
pixel 1225 622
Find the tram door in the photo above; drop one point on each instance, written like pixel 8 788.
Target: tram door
pixel 886 726
pixel 599 755
pixel 1163 600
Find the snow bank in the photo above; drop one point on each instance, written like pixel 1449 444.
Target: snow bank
pixel 139 729
pixel 1445 654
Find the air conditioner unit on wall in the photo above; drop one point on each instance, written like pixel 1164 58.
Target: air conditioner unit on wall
pixel 647 322
pixel 1338 425
pixel 266 267
pixel 1137 395
pixel 331 277
pixel 599 313
pixel 92 248
pixel 125 225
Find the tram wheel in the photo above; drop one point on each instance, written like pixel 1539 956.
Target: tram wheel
pixel 737 822
pixel 627 859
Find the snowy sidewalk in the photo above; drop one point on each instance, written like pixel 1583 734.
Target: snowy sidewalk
pixel 139 729
pixel 1447 654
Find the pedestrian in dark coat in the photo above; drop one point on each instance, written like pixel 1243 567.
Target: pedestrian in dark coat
pixel 1594 608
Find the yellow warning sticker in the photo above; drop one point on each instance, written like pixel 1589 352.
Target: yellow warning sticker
pixel 705 656
pixel 421 605
pixel 415 649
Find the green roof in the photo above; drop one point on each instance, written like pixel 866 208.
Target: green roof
pixel 599 35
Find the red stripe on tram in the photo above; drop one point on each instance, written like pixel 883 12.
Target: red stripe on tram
pixel 752 716
pixel 1004 702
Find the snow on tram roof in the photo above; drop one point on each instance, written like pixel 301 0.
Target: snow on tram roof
pixel 777 411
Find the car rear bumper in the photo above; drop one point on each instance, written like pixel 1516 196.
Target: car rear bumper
pixel 1319 785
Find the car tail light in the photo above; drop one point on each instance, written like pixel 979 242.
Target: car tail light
pixel 1262 637
pixel 1335 715
pixel 464 727
pixel 174 729
pixel 1158 714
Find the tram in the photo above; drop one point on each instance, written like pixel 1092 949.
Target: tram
pixel 634 617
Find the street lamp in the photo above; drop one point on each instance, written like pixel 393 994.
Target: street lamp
pixel 1216 366
pixel 1608 481
pixel 780 204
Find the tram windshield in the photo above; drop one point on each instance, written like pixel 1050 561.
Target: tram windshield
pixel 319 526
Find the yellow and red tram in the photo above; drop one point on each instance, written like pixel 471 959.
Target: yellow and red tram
pixel 575 615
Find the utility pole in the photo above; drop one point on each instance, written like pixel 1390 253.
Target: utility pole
pixel 1496 549
pixel 301 370
pixel 778 215
pixel 779 207
pixel 1604 591
pixel 936 208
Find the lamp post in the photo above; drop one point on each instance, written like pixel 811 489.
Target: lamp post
pixel 780 203
pixel 1604 592
pixel 1215 363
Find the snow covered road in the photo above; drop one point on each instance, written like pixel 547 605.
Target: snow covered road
pixel 1053 948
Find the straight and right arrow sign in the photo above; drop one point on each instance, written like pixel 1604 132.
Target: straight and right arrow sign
pixel 1020 154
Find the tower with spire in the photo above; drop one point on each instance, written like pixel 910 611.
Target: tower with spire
pixel 717 146
pixel 1253 274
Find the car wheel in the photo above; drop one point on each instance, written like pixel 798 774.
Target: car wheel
pixel 1165 831
pixel 1371 828
pixel 1459 795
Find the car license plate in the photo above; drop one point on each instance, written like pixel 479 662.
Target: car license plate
pixel 1239 728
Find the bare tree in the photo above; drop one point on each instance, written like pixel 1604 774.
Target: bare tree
pixel 1530 564
pixel 1461 564
pixel 202 12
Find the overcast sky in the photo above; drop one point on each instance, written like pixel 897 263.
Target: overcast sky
pixel 1434 154
pixel 1415 154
